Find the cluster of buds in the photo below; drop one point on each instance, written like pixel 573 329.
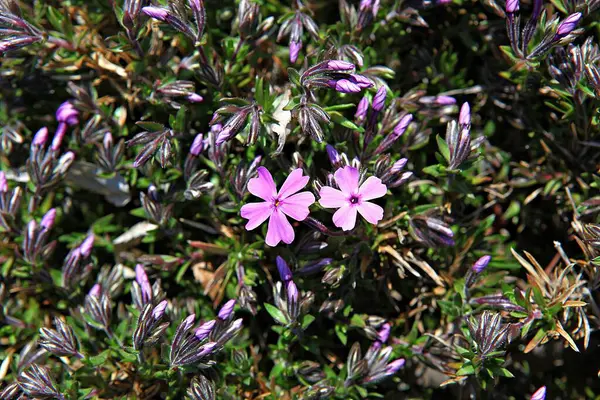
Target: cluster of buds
pixel 293 26
pixel 15 32
pixel 239 117
pixel 287 297
pixel 373 367
pixel 150 326
pixel 98 309
pixel 309 116
pixel 430 231
pixel 130 21
pixel 458 139
pixel 243 173
pixel 44 166
pixel 177 89
pixel 142 293
pixel 359 19
pixel 35 246
pixel 194 346
pixel 488 332
pixel 392 174
pixel 60 341
pixel 158 139
pixel 498 302
pixel 77 264
pixel 176 15
pixel 109 154
pixel 334 74
pixel 35 383
pixel 201 388
pixel 249 23
pixel 10 203
pixel 555 32
pixel 569 66
pixel 341 51
pixel 155 210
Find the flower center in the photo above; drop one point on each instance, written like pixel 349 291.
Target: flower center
pixel 276 202
pixel 354 199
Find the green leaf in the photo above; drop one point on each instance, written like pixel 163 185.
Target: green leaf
pixel 343 121
pixel 150 126
pixel 443 146
pixel 276 314
pixel 307 320
pixel 467 369
pixel 294 76
pixel 340 331
pixel 100 359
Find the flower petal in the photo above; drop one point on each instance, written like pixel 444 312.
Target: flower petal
pixel 332 198
pixel 256 213
pixel 372 188
pixel 345 217
pixel 263 186
pixel 347 179
pixel 294 182
pixel 296 206
pixel 371 212
pixel 279 229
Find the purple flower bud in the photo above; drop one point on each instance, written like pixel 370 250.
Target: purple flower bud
pixel 344 86
pixel 339 65
pixel 394 366
pixel 295 48
pixel 379 99
pixel 31 228
pixel 48 219
pixel 86 246
pixel 197 145
pixel 512 6
pixel 384 332
pixel 67 114
pixel 204 330
pixel 95 291
pixel 292 292
pixel 361 109
pixel 568 25
pixel 362 81
pixel 188 322
pixel 226 311
pixel 444 100
pixel 40 137
pixel 401 127
pixel 3 182
pixel 194 98
pixel 334 159
pixel 196 4
pixel 464 118
pixel 142 279
pixel 539 394
pixel 207 349
pixel 159 310
pixel 365 4
pixel 480 264
pixel 58 136
pixel 223 136
pixel 108 140
pixel 398 165
pixel 284 271
pixel 156 12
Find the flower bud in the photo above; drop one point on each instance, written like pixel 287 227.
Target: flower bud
pixel 194 98
pixel 361 109
pixel 339 65
pixel 156 12
pixel 464 118
pixel 539 394
pixel 197 145
pixel 512 6
pixel 40 137
pixel 481 264
pixel 379 99
pixel 227 309
pixel 3 182
pixel 142 279
pixel 295 48
pixel 568 25
pixel 67 114
pixel 48 219
pixel 204 330
pixel 86 246
pixel 284 271
pixel 159 310
pixel 95 291
pixel 394 366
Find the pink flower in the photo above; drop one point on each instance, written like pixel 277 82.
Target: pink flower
pixel 351 198
pixel 277 205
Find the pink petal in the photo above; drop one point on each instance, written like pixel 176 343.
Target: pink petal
pixel 296 206
pixel 294 182
pixel 372 188
pixel 279 229
pixel 256 213
pixel 345 217
pixel 371 212
pixel 332 198
pixel 347 179
pixel 263 186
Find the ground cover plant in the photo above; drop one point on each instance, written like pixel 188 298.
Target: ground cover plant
pixel 316 199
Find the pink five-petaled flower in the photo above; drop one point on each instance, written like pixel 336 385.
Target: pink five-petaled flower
pixel 351 198
pixel 277 205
